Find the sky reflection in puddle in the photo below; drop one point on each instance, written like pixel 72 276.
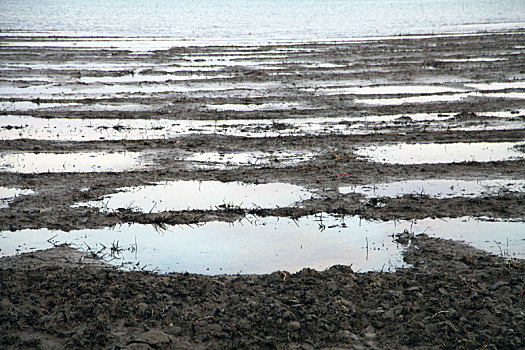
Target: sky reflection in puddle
pixel 70 162
pixel 474 59
pixel 498 85
pixel 30 106
pixel 8 194
pixel 138 78
pixel 75 129
pixel 437 188
pixel 438 98
pixel 20 106
pixel 76 92
pixel 205 195
pixel 386 90
pixel 215 160
pixel 430 153
pixel 237 107
pixel 413 99
pixel 264 245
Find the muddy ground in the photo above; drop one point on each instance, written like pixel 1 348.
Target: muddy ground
pixel 453 297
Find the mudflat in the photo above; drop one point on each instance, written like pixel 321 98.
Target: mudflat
pixel 343 126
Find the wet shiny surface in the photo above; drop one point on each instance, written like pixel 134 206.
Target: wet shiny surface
pixel 204 195
pixel 429 153
pixel 264 245
pixel 438 188
pixel 8 194
pixel 216 160
pixel 70 162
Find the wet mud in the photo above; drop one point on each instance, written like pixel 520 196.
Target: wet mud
pixel 305 114
pixel 454 297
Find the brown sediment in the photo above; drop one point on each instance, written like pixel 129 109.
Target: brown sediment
pixel 453 297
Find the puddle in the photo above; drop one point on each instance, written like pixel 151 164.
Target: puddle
pixel 498 85
pixel 75 92
pixel 81 65
pixel 501 238
pixel 21 106
pixel 123 107
pixel 230 61
pixel 254 107
pixel 138 78
pixel 439 98
pixel 8 194
pixel 323 65
pixel 70 162
pixel 414 99
pixel 513 95
pixel 215 160
pixel 196 68
pixel 476 59
pixel 75 129
pixel 443 152
pixel 437 188
pixel 202 195
pixel 30 106
pixel 386 90
pixel 269 244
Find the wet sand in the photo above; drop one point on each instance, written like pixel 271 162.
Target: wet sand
pixel 318 116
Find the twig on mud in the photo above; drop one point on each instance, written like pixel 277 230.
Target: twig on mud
pixel 284 275
pixel 50 242
pixel 440 312
pixel 501 250
pixel 366 248
pixel 153 207
pixel 204 318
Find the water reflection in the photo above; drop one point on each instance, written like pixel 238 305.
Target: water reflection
pixel 418 153
pixel 264 245
pixel 28 162
pixel 205 195
pixel 437 188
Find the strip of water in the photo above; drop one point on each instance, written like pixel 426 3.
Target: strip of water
pixel 437 188
pixel 75 129
pixel 28 163
pixel 215 160
pixel 201 195
pixel 264 245
pixel 431 153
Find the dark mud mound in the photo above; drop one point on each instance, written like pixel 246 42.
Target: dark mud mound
pixel 455 297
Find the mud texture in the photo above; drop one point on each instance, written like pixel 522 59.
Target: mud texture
pixel 454 297
pixel 294 74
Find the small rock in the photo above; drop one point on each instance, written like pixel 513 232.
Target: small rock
pixel 294 325
pixel 138 346
pixel 498 285
pixel 154 338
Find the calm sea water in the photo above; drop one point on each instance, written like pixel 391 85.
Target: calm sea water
pixel 270 19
